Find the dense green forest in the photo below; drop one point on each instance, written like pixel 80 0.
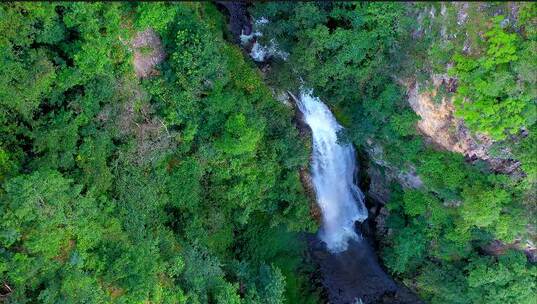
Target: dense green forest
pixel 184 187
pixel 181 188
pixel 353 54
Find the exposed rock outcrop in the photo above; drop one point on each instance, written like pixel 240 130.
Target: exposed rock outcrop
pixel 378 185
pixel 441 128
pixel 147 53
pixel 498 247
pixel 407 177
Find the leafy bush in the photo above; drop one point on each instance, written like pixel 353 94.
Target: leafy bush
pixel 491 97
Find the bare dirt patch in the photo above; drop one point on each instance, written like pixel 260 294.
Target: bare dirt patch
pixel 148 53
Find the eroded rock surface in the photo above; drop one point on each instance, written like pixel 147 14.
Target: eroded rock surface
pixel 448 132
pixel 407 176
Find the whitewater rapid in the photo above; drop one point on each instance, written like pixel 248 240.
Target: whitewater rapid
pixel 332 169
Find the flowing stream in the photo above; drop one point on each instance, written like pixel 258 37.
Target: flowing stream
pixel 332 169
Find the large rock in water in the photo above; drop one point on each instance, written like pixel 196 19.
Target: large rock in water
pixel 355 276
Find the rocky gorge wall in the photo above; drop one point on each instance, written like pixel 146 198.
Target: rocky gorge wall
pixel 430 96
pixel 440 127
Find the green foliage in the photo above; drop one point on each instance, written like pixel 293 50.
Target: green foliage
pixel 157 16
pixel 408 250
pixel 443 284
pixel 239 136
pixel 416 202
pixel 490 97
pixel 115 190
pixel 481 206
pixel 184 187
pixel 273 284
pixel 443 172
pixel 43 198
pixel 527 154
pixel 355 55
pixel 507 280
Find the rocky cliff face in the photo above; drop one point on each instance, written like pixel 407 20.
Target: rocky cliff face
pixel 441 128
pixel 382 173
pixel 458 26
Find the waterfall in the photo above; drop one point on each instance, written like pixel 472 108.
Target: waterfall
pixel 352 273
pixel 332 169
pixel 333 165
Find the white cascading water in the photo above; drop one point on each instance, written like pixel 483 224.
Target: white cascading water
pixel 332 169
pixel 259 52
pixel 333 165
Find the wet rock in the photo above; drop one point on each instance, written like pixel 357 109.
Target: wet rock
pixel 378 186
pixel 355 276
pixel 239 20
pixel 307 183
pixel 380 223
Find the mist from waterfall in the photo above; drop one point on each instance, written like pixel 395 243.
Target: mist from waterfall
pixel 332 169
